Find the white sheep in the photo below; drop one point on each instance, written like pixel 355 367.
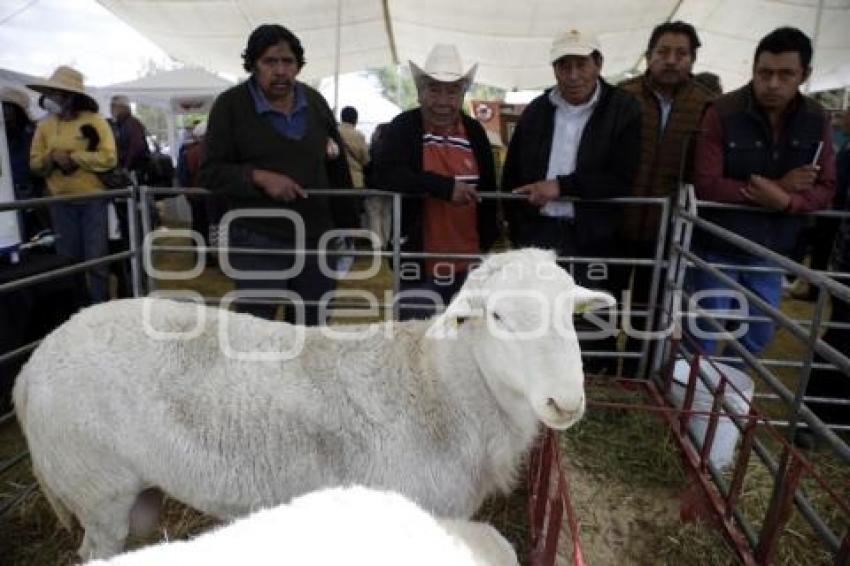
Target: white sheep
pixel 335 526
pixel 440 411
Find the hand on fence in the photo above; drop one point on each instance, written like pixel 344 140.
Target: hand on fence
pixel 277 185
pixel 800 178
pixel 541 192
pixel 464 193
pixel 767 193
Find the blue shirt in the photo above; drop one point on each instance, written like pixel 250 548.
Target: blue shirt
pixel 292 125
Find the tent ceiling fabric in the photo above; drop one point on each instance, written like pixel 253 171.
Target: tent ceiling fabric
pixel 509 40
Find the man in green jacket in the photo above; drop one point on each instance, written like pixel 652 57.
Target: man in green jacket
pixel 268 140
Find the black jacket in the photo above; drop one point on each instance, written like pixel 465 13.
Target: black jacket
pixel 240 140
pixel 606 164
pixel 397 166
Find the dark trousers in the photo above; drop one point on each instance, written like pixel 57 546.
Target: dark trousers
pixel 121 269
pixel 561 236
pixel 641 284
pixel 81 231
pixel 308 284
pixel 207 211
pixel 832 383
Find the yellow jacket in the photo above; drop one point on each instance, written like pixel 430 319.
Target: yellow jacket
pixel 53 133
pixel 356 152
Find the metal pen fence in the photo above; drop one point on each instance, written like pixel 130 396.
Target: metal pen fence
pixel 791 465
pixel 669 264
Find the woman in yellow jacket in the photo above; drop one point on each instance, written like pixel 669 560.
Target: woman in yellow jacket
pixel 69 148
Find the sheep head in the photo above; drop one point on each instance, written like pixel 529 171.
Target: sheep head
pixel 518 308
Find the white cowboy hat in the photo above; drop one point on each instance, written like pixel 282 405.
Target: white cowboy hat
pixel 17 97
pixel 63 78
pixel 574 42
pixel 443 65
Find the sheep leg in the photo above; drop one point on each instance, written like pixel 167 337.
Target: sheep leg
pixel 144 517
pixel 106 527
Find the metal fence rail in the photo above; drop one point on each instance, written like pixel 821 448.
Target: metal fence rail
pixel 790 466
pixel 669 267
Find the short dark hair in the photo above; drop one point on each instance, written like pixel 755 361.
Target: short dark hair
pixel 268 35
pixel 597 57
pixel 678 27
pixel 81 102
pixel 711 81
pixel 783 40
pixel 348 115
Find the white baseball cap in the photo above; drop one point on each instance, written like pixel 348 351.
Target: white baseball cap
pixel 574 42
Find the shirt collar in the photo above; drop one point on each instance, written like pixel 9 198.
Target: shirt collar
pixel 262 105
pixel 559 102
pixel 455 129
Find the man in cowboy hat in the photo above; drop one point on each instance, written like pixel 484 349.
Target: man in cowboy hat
pixel 69 148
pixel 579 139
pixel 442 157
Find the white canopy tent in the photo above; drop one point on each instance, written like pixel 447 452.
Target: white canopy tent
pixel 509 40
pixel 178 91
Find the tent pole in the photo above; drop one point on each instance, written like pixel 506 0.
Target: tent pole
pixel 338 54
pixel 815 37
pixel 398 85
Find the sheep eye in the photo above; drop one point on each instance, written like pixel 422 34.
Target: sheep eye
pixel 497 316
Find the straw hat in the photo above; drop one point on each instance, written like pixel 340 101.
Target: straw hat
pixel 63 78
pixel 574 42
pixel 444 65
pixel 17 97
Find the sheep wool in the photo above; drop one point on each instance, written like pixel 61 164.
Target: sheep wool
pixel 352 525
pixel 199 402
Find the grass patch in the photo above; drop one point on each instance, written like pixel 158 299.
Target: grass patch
pixel 629 446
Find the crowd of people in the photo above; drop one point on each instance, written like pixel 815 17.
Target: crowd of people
pixel 271 138
pixel 74 151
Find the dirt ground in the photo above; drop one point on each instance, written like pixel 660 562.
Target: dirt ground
pixel 615 518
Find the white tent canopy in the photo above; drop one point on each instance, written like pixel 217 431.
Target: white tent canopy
pixel 188 89
pixel 178 91
pixel 509 40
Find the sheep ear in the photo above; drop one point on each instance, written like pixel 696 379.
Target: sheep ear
pixel 461 309
pixel 586 300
